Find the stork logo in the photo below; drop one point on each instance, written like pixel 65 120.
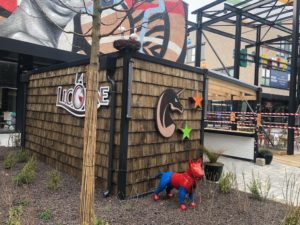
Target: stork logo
pixel 73 99
pixel 168 101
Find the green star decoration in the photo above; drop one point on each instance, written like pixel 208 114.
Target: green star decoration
pixel 186 132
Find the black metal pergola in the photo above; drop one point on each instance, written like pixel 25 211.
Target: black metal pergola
pixel 282 15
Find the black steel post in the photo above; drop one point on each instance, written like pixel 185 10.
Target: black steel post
pixel 257 128
pixel 293 80
pixel 257 55
pixel 237 48
pixel 204 106
pixel 198 40
pixel 124 127
pixel 24 79
pixel 110 71
pixel 25 64
pixel 298 80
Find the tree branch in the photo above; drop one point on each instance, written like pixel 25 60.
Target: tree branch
pixel 73 10
pixel 112 6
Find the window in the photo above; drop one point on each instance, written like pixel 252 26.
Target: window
pixel 191 54
pixel 265 77
pixel 8 96
pixel 275 78
pixel 229 69
pixel 284 45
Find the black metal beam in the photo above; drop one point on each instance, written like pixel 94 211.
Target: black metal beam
pixel 232 36
pixel 285 18
pixel 232 14
pixel 270 41
pixel 237 48
pixel 219 32
pixel 236 5
pixel 257 54
pixel 293 79
pixel 216 54
pixel 273 15
pixel 283 13
pixel 257 18
pixel 257 5
pixel 214 3
pixel 227 20
pixel 198 39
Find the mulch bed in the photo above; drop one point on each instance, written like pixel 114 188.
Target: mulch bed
pixel 213 207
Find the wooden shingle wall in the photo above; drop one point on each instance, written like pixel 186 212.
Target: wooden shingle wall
pixel 55 135
pixel 148 152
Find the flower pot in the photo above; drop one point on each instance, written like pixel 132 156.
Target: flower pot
pixel 268 159
pixel 213 171
pixel 268 155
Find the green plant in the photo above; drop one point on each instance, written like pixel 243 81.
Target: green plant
pixel 11 160
pixel 22 202
pixel 259 190
pixel 53 179
pixel 100 222
pixel 14 215
pixel 292 217
pixel 17 140
pixel 46 215
pixel 23 155
pixel 211 155
pixel 97 221
pixel 227 181
pixel 27 174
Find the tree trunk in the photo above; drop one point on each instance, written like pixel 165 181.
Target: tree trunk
pixel 90 126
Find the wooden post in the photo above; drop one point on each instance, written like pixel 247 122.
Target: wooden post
pixel 90 126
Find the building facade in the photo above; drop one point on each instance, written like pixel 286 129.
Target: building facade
pixel 42 33
pixel 274 71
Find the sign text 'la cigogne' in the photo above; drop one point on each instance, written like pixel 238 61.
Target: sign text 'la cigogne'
pixel 73 99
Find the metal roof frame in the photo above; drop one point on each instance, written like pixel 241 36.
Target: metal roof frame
pixel 256 14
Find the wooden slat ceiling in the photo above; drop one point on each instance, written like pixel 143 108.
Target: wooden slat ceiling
pixel 222 91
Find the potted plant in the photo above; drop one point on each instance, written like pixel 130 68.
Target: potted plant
pixel 212 169
pixel 266 154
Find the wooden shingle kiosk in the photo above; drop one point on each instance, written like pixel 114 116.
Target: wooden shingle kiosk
pixel 141 99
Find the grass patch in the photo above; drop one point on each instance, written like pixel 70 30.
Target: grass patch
pixel 23 156
pixel 23 202
pixel 14 215
pixel 27 174
pixel 292 217
pixel 46 215
pixel 10 161
pixel 13 158
pixel 258 189
pixel 53 180
pixel 227 181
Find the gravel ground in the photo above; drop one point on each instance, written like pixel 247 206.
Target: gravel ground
pixel 212 207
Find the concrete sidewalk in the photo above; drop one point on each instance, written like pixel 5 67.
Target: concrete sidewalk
pixel 277 172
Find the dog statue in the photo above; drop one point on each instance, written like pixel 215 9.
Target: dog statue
pixel 185 182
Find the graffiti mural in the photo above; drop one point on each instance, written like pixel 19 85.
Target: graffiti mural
pixel 161 24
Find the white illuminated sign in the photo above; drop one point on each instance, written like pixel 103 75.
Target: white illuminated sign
pixel 73 99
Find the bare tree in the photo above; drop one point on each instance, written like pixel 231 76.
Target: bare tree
pixel 90 123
